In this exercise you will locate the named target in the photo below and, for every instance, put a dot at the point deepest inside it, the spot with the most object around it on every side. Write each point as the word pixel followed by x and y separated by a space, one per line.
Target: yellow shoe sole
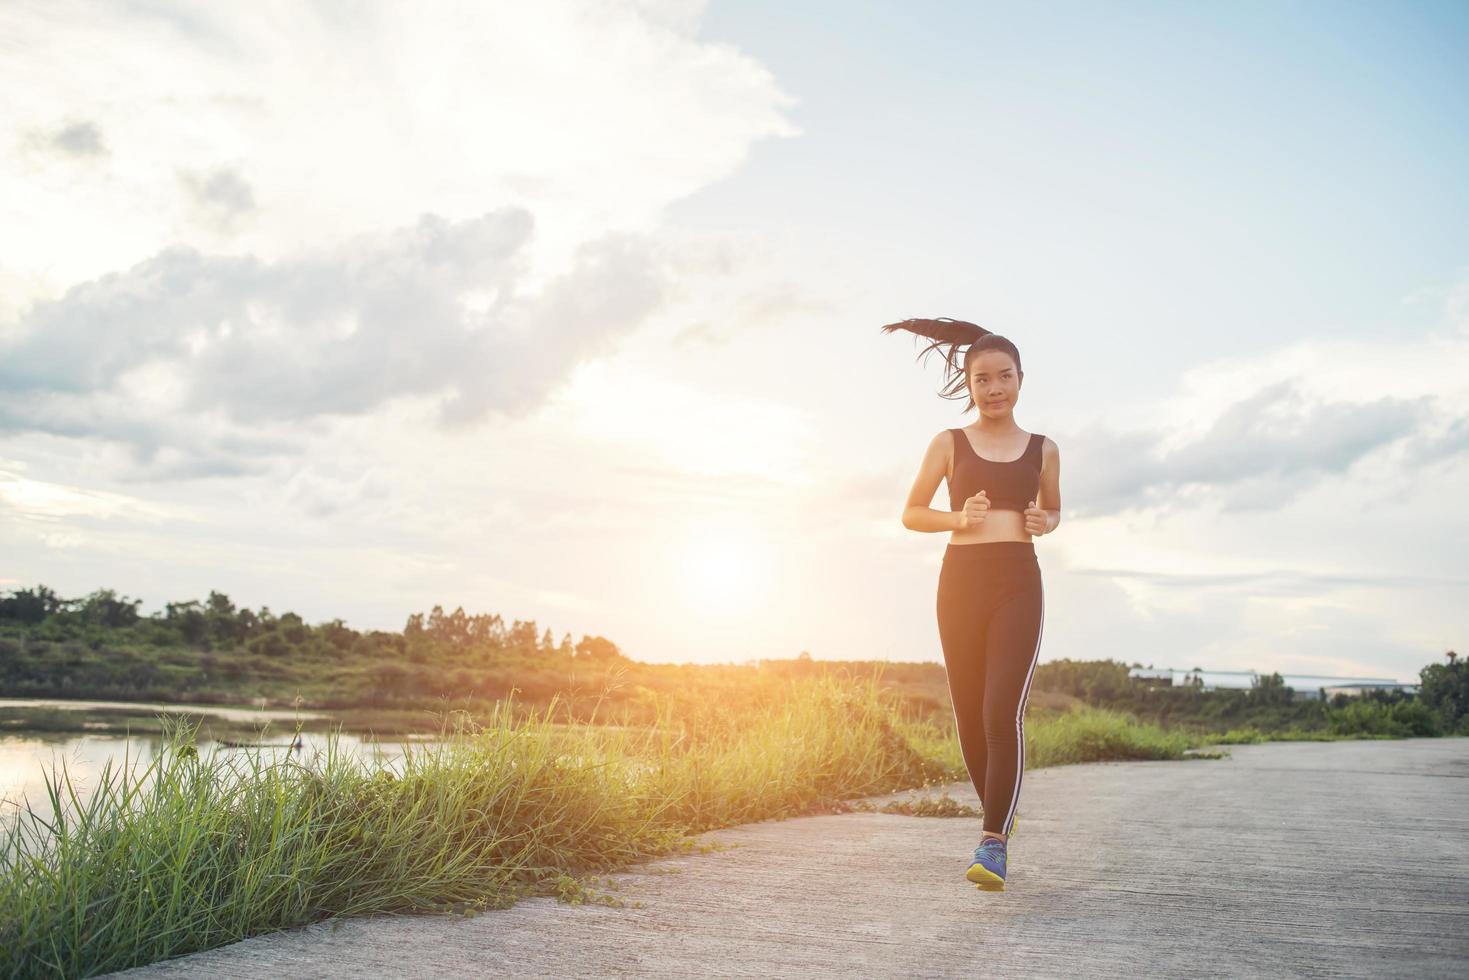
pixel 985 879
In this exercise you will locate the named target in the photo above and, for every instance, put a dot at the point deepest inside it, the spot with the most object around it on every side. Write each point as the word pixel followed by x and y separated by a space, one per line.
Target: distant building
pixel 1304 685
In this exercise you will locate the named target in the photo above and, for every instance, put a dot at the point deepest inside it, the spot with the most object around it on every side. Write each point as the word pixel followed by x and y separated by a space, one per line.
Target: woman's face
pixel 994 383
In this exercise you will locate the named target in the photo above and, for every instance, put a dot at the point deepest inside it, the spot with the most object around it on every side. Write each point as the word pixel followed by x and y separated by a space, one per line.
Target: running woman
pixel 1004 489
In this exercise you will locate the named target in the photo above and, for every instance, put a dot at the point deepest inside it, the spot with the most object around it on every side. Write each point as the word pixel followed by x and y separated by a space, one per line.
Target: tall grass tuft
pixel 1056 738
pixel 1099 734
pixel 197 850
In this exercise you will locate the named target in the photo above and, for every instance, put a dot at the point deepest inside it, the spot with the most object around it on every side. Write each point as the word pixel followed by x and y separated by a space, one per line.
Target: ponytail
pixel 955 333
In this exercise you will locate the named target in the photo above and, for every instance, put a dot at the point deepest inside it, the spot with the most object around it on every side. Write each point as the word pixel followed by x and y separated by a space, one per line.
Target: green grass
pixel 1098 735
pixel 1058 738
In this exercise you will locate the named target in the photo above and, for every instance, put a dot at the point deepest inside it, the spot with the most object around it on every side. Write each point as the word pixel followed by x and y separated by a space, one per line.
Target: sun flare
pixel 724 571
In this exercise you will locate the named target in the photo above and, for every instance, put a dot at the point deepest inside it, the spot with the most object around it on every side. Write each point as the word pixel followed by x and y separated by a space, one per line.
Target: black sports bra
pixel 1008 486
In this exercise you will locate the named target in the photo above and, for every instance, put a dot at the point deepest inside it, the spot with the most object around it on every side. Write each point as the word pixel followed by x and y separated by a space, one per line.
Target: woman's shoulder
pixel 945 442
pixel 947 436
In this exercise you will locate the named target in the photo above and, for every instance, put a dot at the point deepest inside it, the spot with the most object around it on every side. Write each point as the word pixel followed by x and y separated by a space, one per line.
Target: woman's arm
pixel 917 514
pixel 1048 497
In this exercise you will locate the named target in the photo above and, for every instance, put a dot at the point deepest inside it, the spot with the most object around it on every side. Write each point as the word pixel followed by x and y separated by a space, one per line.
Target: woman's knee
pixel 1001 732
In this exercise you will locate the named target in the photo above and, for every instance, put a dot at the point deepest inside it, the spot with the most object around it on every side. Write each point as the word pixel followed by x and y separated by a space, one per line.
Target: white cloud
pixel 339 120
pixel 43 501
pixel 1253 431
pixel 257 240
pixel 184 342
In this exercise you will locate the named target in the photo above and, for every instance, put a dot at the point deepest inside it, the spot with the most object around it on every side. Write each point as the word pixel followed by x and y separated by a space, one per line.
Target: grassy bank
pixel 196 852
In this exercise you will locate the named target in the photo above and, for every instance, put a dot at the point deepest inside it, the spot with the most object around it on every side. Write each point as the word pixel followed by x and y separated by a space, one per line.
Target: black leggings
pixel 991 607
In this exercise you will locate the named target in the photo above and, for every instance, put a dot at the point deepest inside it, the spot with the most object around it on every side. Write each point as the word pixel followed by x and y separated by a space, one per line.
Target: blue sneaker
pixel 987 870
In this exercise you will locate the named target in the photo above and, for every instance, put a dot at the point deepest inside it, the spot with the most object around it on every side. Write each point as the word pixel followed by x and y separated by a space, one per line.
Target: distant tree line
pixel 101 645
pixel 216 622
pixel 1441 705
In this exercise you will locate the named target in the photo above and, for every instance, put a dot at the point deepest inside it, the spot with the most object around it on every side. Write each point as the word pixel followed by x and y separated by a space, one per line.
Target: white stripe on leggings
pixel 1020 717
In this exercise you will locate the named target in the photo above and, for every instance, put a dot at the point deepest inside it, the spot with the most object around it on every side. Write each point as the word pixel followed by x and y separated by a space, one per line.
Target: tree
pixel 1445 688
pixel 452 629
pixel 1270 689
pixel 104 608
pixel 226 624
pixel 248 622
pixel 414 626
pixel 339 634
pixel 597 648
pixel 523 637
pixel 188 619
pixel 30 606
pixel 293 628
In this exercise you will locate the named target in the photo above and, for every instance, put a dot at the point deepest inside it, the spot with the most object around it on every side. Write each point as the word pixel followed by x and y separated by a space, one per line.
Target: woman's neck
pixel 996 428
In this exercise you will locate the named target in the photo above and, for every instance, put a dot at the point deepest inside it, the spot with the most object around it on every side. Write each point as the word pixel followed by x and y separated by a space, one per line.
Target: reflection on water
pixel 225 711
pixel 26 759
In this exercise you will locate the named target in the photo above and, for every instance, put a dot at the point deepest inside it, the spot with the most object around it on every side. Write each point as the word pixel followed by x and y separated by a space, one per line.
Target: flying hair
pixel 956 333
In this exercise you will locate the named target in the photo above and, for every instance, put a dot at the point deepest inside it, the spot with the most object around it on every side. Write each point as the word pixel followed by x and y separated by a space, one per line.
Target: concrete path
pixel 1288 859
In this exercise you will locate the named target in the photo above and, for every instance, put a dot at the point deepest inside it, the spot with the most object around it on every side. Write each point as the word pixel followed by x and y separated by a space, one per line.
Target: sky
pixel 569 311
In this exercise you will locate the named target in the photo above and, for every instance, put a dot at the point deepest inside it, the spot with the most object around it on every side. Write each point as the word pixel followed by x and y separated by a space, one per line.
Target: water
pixel 224 712
pixel 27 757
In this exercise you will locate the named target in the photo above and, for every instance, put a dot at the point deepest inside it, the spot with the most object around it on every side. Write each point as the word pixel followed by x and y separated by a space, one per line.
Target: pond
pixel 34 745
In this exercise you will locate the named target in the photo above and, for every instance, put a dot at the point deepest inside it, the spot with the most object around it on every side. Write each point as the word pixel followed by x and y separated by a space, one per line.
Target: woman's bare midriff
pixel 998 525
